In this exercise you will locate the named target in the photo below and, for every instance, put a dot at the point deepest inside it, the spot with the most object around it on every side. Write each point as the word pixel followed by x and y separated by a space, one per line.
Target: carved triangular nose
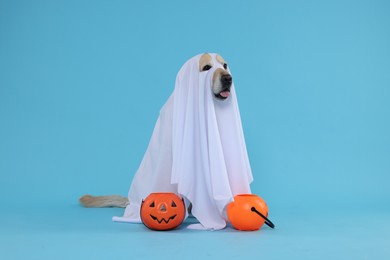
pixel 163 208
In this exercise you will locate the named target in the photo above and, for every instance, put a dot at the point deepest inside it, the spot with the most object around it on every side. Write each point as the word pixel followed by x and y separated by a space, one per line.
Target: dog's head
pixel 221 79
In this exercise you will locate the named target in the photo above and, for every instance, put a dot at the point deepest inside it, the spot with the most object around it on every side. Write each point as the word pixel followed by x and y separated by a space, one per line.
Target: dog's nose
pixel 226 80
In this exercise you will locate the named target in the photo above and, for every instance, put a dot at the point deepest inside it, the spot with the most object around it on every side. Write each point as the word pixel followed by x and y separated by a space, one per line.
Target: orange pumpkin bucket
pixel 248 212
pixel 162 211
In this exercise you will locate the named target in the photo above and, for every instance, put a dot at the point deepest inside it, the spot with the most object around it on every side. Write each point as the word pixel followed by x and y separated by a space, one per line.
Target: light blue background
pixel 81 85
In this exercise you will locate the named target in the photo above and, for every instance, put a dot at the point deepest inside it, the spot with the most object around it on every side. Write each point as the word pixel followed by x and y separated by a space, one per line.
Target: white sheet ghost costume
pixel 197 150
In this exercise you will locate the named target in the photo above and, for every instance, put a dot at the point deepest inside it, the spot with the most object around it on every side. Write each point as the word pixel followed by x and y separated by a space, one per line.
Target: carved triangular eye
pixel 152 205
pixel 173 204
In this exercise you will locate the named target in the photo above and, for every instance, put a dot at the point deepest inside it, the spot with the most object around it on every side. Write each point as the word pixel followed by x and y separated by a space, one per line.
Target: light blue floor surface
pixel 68 231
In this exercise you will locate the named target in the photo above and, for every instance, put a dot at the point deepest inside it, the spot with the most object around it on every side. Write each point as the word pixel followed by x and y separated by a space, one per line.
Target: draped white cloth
pixel 197 150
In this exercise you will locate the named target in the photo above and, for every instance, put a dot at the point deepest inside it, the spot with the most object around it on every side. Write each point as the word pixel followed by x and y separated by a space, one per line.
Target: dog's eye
pixel 225 66
pixel 206 67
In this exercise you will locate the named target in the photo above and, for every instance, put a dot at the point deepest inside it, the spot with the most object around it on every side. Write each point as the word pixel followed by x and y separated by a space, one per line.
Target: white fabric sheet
pixel 197 150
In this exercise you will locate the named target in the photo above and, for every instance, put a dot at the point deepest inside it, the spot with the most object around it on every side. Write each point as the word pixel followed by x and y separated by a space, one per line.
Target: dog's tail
pixel 104 201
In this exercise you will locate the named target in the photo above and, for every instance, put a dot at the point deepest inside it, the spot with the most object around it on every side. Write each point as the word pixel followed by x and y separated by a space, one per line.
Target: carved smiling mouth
pixel 163 219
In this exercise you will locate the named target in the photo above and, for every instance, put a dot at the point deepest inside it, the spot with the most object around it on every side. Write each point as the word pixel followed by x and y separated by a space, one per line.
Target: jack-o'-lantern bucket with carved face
pixel 162 211
pixel 248 212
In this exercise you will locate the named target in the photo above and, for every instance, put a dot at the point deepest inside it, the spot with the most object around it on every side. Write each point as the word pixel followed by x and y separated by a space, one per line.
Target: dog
pixel 221 90
pixel 197 149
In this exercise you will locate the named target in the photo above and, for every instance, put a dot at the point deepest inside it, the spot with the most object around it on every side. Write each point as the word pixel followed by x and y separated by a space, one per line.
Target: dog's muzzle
pixel 226 81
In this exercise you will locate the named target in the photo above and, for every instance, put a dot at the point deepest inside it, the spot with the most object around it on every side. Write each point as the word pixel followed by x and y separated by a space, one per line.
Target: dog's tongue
pixel 225 94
